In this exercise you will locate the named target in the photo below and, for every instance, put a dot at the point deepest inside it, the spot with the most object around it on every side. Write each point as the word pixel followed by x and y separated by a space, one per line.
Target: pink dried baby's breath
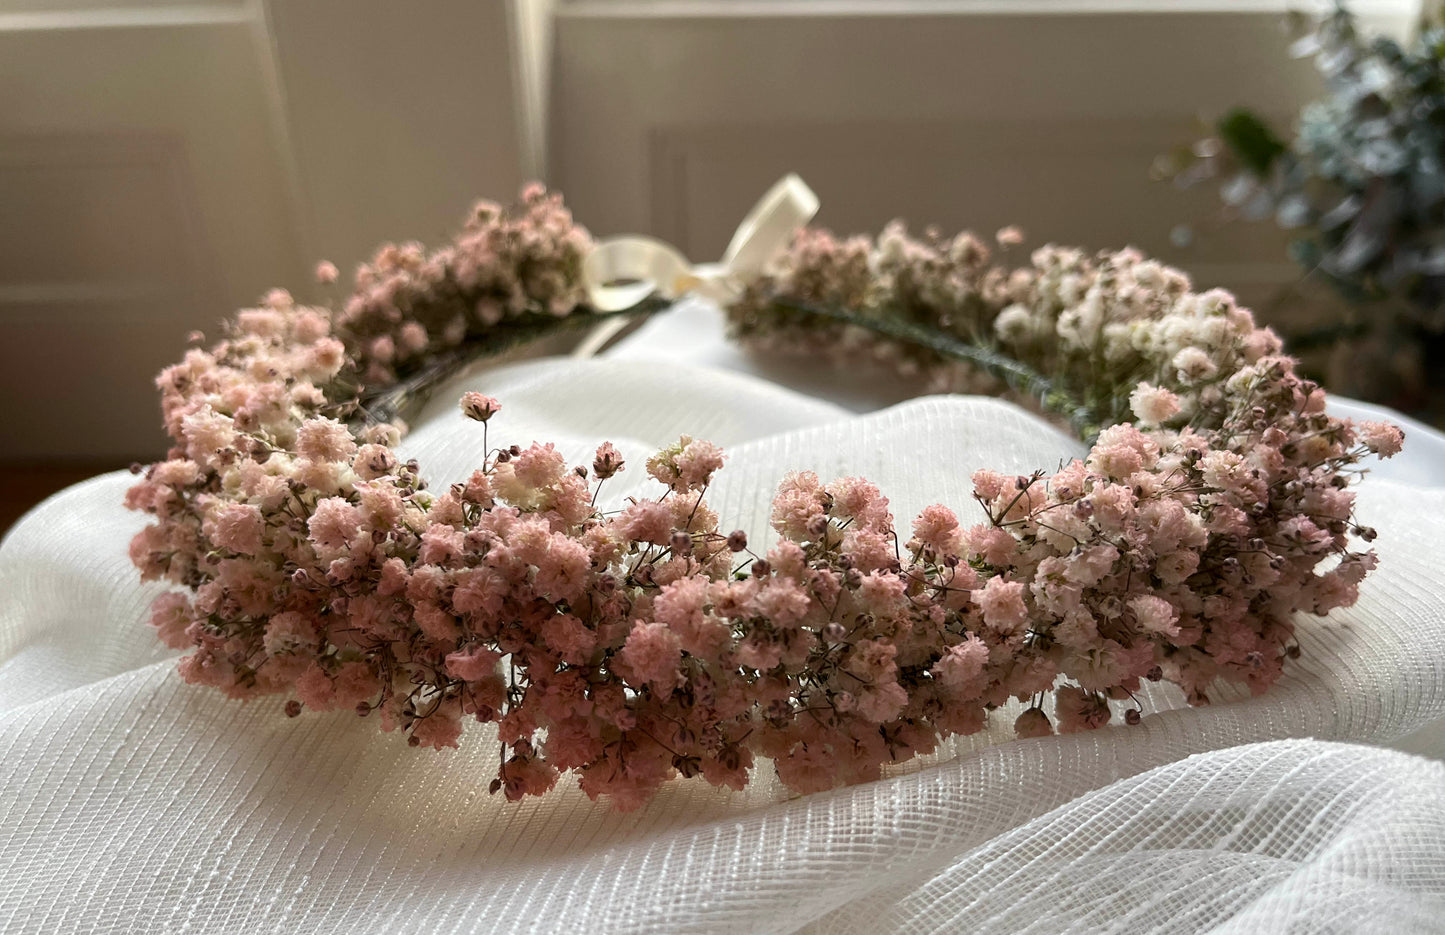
pixel 648 643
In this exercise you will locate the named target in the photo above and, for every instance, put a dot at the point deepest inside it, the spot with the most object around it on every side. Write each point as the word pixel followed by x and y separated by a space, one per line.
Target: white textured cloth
pixel 130 802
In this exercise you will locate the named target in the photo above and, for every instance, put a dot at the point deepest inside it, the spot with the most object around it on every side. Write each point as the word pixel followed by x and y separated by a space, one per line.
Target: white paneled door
pixel 164 163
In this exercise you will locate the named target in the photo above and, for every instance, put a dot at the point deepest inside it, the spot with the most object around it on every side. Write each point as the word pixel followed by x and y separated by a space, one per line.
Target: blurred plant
pixel 1362 186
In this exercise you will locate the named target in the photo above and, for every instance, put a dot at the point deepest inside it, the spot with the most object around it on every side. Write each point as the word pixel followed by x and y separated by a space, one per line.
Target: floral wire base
pixel 634 646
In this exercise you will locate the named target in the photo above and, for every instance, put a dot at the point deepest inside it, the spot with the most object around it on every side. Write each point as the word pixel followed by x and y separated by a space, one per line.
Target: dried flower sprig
pixel 636 646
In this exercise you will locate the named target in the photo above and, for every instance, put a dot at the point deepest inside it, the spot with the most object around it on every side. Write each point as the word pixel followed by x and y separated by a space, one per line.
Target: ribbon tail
pixel 622 271
pixel 769 227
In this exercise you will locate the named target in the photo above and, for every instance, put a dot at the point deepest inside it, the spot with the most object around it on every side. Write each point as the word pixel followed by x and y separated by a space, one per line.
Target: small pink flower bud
pixel 1009 236
pixel 1033 723
pixel 729 758
pixel 608 461
pixel 478 407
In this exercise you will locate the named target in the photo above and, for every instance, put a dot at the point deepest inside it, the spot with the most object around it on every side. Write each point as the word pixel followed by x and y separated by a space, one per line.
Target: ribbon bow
pixel 650 267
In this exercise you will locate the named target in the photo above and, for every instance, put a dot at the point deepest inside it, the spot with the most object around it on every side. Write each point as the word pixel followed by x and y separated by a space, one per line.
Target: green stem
pixel 392 401
pixel 1015 374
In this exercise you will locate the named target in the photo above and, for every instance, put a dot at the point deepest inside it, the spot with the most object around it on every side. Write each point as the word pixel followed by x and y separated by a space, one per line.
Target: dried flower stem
pixel 1015 374
pixel 390 402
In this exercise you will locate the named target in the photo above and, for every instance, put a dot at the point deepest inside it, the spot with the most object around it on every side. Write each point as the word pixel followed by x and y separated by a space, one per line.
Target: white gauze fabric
pixel 131 802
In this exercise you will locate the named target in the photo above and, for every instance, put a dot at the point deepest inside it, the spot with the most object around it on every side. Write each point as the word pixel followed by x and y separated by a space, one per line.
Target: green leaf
pixel 1251 140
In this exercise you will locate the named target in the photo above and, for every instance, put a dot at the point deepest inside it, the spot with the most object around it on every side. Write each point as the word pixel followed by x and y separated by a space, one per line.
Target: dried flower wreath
pixel 636 645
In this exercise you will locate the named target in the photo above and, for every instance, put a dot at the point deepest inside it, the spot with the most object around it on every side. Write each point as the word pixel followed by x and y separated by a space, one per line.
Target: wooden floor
pixel 24 485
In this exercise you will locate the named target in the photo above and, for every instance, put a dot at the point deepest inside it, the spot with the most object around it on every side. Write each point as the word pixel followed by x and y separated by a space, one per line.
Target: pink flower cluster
pixel 648 643
pixel 507 264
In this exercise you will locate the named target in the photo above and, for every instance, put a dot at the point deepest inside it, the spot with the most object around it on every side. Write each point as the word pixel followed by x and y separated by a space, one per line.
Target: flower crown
pixel 635 645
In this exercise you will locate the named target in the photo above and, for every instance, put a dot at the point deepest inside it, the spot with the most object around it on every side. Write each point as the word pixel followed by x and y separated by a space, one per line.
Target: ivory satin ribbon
pixel 622 271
